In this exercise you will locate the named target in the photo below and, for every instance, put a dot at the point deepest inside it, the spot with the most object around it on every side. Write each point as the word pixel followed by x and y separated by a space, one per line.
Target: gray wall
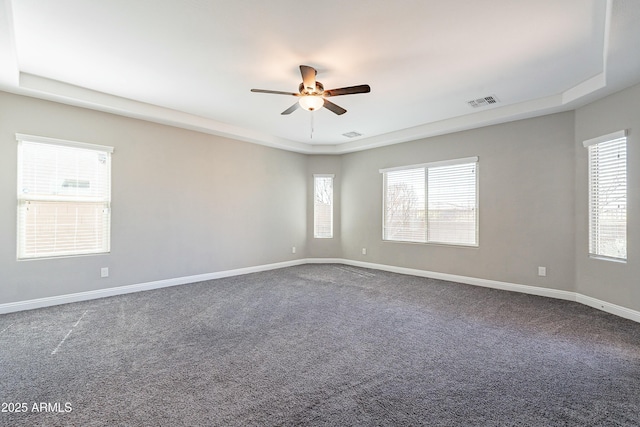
pixel 526 203
pixel 184 203
pixel 618 283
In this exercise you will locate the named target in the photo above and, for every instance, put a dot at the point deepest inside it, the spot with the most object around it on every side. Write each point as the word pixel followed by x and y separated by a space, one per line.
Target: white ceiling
pixel 192 63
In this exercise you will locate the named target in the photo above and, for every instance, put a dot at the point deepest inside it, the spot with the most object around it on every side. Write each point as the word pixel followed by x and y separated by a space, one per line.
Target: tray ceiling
pixel 192 63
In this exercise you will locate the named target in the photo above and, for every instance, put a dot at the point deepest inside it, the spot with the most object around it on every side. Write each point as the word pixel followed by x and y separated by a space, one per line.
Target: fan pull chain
pixel 311 136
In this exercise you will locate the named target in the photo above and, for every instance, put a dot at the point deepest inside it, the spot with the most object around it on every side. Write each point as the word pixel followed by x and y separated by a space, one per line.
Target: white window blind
pixel 323 206
pixel 608 196
pixel 64 198
pixel 432 203
pixel 404 205
pixel 452 204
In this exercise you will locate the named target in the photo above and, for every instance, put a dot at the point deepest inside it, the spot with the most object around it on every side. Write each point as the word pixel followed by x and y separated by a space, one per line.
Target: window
pixel 608 196
pixel 64 198
pixel 432 203
pixel 323 206
pixel 404 210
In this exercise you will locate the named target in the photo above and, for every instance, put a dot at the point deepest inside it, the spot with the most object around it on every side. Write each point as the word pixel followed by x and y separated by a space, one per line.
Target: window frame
pixel 23 199
pixel 426 166
pixel 316 233
pixel 593 235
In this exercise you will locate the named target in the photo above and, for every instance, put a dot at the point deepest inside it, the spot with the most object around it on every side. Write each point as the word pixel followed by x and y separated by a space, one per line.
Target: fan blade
pixel 276 92
pixel 291 109
pixel 333 107
pixel 308 77
pixel 348 90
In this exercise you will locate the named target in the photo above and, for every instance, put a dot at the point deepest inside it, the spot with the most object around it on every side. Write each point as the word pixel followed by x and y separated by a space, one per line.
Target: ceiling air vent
pixel 351 134
pixel 484 102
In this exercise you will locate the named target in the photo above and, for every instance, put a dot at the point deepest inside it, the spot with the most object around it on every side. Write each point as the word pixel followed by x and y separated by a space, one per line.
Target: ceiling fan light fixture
pixel 312 96
pixel 311 102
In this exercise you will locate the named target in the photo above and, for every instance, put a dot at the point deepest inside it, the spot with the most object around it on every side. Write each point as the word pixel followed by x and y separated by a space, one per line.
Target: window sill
pixel 447 245
pixel 604 258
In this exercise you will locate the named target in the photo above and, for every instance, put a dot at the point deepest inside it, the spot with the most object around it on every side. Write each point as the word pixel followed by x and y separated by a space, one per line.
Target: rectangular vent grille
pixel 484 102
pixel 352 134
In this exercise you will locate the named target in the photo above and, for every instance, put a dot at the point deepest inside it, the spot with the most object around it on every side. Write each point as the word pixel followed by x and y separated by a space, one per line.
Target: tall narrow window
pixel 64 198
pixel 608 196
pixel 323 206
pixel 432 203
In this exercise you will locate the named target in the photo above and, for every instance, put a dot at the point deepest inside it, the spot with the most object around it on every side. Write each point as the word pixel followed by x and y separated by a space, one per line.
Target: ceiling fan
pixel 312 95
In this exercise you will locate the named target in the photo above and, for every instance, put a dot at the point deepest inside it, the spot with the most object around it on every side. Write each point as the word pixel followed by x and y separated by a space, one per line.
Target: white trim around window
pixel 63 142
pixel 434 164
pixel 323 206
pixel 435 202
pixel 607 169
pixel 604 138
pixel 63 198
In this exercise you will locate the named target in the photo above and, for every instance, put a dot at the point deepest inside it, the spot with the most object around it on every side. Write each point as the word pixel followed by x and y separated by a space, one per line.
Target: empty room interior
pixel 320 213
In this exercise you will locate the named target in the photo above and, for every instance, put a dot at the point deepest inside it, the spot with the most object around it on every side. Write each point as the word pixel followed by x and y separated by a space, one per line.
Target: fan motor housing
pixel 303 90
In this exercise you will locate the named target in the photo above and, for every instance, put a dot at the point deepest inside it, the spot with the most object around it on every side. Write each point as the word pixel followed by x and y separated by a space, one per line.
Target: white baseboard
pixel 120 290
pixel 534 290
pixel 617 310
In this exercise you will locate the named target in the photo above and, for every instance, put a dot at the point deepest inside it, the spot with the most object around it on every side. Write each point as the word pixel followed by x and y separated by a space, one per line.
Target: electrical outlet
pixel 364 251
pixel 104 272
pixel 293 249
pixel 542 271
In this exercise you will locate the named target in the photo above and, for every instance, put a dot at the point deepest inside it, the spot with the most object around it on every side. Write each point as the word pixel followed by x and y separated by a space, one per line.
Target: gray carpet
pixel 320 345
